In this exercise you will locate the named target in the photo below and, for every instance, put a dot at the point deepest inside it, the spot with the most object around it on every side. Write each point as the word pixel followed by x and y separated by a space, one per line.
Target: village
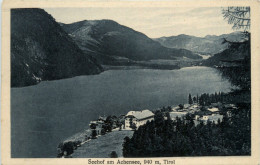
pixel 134 119
pixel 131 121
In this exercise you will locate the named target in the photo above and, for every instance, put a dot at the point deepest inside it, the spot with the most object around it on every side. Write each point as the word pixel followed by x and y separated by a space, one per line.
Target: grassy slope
pixel 103 145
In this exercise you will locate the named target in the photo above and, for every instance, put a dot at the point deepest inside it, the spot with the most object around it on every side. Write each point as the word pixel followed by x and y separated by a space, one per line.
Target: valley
pixel 64 75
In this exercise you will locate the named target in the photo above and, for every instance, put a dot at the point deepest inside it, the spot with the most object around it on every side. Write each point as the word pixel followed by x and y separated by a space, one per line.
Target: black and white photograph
pixel 130 82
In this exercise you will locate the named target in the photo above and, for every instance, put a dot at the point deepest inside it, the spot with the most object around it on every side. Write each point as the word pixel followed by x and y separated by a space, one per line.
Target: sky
pixel 154 22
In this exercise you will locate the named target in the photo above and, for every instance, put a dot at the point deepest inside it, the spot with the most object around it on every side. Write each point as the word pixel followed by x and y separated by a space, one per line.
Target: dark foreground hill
pixel 42 50
pixel 110 41
pixel 235 64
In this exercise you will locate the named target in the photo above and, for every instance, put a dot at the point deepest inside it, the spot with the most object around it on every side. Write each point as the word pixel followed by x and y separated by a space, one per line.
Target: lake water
pixel 45 114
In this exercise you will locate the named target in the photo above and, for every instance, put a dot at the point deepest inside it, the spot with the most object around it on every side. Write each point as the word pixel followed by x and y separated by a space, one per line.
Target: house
pixel 212 118
pixel 185 106
pixel 174 115
pixel 205 118
pixel 230 106
pixel 102 118
pixel 96 125
pixel 194 106
pixel 138 118
pixel 176 108
pixel 214 109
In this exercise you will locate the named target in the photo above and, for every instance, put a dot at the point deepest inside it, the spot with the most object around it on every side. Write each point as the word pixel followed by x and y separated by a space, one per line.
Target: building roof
pixel 140 114
pixel 175 108
pixel 230 106
pixel 177 114
pixel 213 109
pixel 186 105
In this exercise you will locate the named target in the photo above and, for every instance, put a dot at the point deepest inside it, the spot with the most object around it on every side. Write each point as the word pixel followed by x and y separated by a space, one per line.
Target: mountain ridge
pixel 42 50
pixel 108 38
pixel 210 44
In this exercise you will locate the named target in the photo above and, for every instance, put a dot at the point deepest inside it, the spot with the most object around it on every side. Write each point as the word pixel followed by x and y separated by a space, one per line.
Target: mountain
pixel 110 41
pixel 210 44
pixel 42 50
pixel 235 55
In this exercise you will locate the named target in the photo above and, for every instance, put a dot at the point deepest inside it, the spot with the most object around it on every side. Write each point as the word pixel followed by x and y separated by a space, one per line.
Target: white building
pixel 174 115
pixel 214 109
pixel 138 118
pixel 212 118
pixel 176 108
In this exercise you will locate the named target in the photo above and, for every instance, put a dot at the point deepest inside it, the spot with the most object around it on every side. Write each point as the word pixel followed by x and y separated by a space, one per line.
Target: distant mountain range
pixel 109 41
pixel 210 44
pixel 42 50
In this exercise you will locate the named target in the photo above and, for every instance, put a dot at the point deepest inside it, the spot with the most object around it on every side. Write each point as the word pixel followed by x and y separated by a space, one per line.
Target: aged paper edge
pixel 254 159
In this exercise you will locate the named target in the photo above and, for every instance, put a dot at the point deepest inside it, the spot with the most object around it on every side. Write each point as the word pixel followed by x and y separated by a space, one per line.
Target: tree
pixel 169 109
pixel 113 154
pixel 168 116
pixel 109 121
pixel 181 106
pixel 158 118
pixel 183 138
pixel 126 147
pixel 94 134
pixel 103 131
pixel 68 148
pixel 132 124
pixel 194 99
pixel 190 99
pixel 93 126
pixel 238 16
pixel 86 137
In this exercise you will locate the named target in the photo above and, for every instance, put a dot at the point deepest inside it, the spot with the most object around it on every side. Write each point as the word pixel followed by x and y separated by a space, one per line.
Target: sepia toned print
pixel 132 82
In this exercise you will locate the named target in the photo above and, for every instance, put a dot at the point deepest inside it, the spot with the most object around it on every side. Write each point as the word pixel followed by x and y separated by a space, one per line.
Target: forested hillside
pixel 109 41
pixel 167 138
pixel 42 50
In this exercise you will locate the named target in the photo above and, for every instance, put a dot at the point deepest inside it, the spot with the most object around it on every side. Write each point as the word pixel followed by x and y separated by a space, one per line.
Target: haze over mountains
pixel 210 44
pixel 107 38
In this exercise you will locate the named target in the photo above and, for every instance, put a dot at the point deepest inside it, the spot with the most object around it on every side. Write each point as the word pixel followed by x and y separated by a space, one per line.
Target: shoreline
pixel 201 113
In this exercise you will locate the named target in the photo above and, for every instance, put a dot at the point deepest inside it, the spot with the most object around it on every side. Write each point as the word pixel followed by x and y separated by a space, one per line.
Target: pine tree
pixel 190 99
pixel 238 16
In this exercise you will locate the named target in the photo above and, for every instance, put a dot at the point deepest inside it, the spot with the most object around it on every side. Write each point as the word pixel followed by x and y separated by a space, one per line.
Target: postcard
pixel 130 82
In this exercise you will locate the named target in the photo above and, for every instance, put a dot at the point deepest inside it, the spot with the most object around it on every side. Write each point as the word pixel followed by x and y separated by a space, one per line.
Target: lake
pixel 45 114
